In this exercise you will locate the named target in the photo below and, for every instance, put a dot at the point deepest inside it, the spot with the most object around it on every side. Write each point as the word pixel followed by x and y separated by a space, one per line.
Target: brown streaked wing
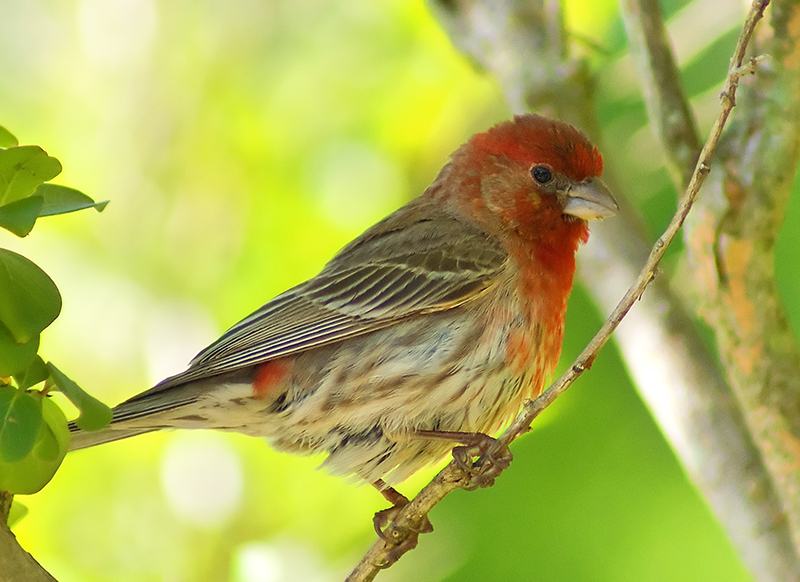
pixel 392 272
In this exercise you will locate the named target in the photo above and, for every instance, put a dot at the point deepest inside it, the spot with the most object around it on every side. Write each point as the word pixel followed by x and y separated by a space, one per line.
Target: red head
pixel 532 178
pixel 532 183
pixel 531 139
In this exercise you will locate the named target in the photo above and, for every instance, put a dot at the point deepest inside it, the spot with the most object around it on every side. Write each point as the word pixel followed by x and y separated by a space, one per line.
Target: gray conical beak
pixel 590 199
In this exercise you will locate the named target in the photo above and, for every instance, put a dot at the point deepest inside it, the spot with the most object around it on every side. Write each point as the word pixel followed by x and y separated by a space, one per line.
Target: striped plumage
pixel 442 317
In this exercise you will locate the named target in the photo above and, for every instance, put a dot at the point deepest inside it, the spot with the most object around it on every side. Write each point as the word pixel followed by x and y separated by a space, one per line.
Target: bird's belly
pixel 364 400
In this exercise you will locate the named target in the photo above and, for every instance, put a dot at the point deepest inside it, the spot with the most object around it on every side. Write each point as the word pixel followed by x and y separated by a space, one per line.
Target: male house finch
pixel 428 330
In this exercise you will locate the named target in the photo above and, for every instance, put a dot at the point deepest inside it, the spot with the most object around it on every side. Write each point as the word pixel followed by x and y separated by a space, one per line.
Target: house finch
pixel 428 330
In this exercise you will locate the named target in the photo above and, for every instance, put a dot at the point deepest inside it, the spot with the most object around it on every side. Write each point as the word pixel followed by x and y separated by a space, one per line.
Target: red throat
pixel 548 270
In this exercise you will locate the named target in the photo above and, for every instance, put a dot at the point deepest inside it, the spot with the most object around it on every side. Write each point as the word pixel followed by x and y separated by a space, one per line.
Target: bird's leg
pixel 385 516
pixel 493 456
pixel 398 501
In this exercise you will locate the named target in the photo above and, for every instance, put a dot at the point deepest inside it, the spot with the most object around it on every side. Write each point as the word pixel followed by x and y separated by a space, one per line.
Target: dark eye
pixel 541 174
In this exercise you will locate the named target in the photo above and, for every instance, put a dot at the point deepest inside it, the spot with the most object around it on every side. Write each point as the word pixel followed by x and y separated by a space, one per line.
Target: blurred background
pixel 241 143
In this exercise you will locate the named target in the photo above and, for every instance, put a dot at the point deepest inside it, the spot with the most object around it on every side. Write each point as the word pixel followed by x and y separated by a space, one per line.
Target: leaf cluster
pixel 34 436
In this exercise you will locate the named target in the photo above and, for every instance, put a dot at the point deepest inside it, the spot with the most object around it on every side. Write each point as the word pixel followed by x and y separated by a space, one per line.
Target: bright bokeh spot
pixel 117 33
pixel 201 475
pixel 279 562
pixel 259 563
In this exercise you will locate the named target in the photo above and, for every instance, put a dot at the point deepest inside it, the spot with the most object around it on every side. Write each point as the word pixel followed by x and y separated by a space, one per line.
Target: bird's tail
pixel 152 410
pixel 81 439
pixel 137 415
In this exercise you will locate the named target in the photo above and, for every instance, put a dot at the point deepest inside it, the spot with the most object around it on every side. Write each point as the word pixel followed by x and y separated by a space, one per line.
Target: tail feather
pixel 147 411
pixel 81 439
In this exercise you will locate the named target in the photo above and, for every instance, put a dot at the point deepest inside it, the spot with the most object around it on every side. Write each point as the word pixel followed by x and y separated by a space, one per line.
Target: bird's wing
pixel 417 261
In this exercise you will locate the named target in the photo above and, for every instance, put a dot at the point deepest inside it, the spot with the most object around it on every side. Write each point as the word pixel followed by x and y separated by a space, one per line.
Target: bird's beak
pixel 590 199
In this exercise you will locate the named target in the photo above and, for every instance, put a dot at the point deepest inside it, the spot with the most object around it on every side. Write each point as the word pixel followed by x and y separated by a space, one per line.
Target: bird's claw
pixel 493 458
pixel 402 538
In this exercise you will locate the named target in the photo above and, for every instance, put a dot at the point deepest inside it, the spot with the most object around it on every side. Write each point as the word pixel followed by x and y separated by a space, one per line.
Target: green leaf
pixel 29 300
pixel 14 357
pixel 56 423
pixel 62 199
pixel 30 474
pixel 20 216
pixel 34 374
pixel 48 200
pixel 20 418
pixel 94 414
pixel 22 169
pixel 16 513
pixel 7 138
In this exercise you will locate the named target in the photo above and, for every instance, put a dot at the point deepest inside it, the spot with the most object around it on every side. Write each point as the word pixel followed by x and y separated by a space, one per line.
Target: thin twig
pixel 452 477
pixel 736 71
pixel 731 258
pixel 702 418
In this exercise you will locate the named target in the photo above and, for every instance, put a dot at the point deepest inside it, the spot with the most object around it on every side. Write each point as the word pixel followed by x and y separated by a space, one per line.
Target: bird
pixel 426 332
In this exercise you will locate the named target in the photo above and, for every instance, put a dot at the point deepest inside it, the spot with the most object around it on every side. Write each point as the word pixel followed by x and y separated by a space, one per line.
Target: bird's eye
pixel 542 174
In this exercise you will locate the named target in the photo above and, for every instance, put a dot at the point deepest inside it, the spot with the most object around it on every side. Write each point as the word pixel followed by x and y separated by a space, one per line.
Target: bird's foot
pixel 402 538
pixel 493 457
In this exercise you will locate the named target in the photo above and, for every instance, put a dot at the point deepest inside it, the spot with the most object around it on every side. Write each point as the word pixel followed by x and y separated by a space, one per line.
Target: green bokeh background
pixel 241 143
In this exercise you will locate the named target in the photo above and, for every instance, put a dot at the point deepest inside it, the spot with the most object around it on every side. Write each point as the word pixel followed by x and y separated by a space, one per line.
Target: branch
pixel 15 563
pixel 667 105
pixel 731 256
pixel 450 478
pixel 731 240
pixel 696 410
pixel 532 408
pixel 774 557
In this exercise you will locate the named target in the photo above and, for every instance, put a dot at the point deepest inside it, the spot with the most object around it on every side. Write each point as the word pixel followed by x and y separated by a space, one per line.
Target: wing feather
pixel 419 261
